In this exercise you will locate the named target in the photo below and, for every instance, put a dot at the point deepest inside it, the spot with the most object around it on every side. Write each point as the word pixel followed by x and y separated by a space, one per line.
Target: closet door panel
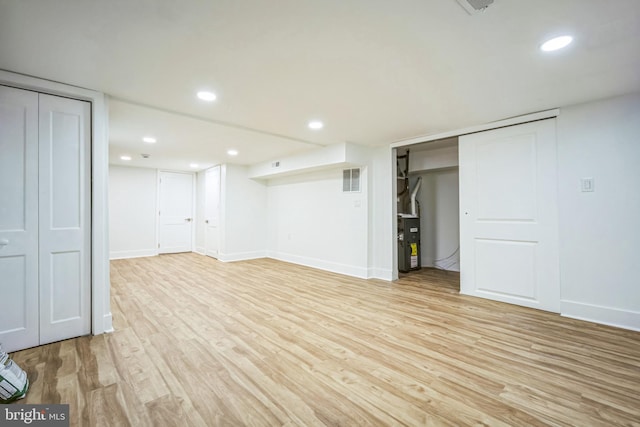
pixel 64 149
pixel 18 218
pixel 65 229
pixel 509 215
pixel 66 292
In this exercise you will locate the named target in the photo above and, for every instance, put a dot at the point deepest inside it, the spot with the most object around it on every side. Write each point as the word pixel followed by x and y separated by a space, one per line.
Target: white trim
pixel 394 214
pixel 100 284
pixel 240 256
pixel 381 274
pixel 626 319
pixel 138 253
pixel 349 270
pixel 108 320
pixel 547 114
pixel 200 250
pixel 157 212
pixel 194 210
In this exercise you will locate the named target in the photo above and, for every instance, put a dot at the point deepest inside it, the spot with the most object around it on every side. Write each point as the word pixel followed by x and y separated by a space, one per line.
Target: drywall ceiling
pixel 183 140
pixel 374 71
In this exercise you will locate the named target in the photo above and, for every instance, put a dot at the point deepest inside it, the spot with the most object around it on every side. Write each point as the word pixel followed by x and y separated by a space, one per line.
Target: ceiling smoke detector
pixel 474 6
pixel 145 156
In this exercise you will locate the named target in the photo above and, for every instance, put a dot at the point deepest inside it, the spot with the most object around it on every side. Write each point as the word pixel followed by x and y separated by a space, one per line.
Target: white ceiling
pixel 375 71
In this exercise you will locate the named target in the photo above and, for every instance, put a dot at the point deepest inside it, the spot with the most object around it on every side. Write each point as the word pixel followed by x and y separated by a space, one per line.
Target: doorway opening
pixel 428 210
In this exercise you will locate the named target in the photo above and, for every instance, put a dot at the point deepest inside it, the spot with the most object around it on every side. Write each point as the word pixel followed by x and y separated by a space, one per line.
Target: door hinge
pixel 158 245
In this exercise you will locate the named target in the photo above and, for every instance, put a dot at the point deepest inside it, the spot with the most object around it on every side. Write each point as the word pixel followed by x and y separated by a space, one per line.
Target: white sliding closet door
pixel 509 215
pixel 65 229
pixel 19 312
pixel 45 230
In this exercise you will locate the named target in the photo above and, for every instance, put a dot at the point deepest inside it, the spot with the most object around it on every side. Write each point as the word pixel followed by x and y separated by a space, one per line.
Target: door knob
pixel 206 221
pixel 4 242
pixel 188 219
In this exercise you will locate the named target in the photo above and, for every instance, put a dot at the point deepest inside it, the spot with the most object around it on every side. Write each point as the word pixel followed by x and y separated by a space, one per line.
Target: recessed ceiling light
pixel 316 124
pixel 193 165
pixel 556 43
pixel 125 158
pixel 149 140
pixel 232 152
pixel 207 96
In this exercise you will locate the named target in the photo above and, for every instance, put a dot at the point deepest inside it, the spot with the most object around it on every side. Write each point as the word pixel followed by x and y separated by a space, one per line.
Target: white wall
pixel 382 223
pixel 200 212
pixel 312 222
pixel 600 231
pixel 439 218
pixel 305 217
pixel 132 212
pixel 444 156
pixel 243 219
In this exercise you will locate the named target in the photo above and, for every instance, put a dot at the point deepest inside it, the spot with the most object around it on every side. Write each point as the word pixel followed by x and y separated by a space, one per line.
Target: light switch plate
pixel 586 185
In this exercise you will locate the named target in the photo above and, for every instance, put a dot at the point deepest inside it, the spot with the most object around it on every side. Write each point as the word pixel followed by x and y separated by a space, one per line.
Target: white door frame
pixel 547 114
pixel 101 320
pixel 207 197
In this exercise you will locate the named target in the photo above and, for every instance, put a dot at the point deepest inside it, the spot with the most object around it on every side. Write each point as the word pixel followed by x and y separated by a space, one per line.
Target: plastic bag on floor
pixel 13 380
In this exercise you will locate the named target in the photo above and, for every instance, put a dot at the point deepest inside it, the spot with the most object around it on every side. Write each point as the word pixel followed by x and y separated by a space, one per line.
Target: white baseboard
pixel 625 319
pixel 380 273
pixel 200 250
pixel 334 267
pixel 108 323
pixel 241 256
pixel 133 254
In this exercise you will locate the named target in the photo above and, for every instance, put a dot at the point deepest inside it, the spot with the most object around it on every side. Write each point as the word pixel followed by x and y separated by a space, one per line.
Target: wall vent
pixel 474 6
pixel 351 180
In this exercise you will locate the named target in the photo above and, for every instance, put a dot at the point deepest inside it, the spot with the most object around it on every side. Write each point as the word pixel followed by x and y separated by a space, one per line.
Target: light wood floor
pixel 265 343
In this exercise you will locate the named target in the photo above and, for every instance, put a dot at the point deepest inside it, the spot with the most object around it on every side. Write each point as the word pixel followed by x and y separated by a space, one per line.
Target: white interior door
pixel 508 215
pixel 212 211
pixel 45 230
pixel 176 212
pixel 64 217
pixel 19 311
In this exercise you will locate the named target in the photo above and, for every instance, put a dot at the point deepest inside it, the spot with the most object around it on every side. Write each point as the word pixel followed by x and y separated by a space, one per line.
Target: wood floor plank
pixel 199 342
